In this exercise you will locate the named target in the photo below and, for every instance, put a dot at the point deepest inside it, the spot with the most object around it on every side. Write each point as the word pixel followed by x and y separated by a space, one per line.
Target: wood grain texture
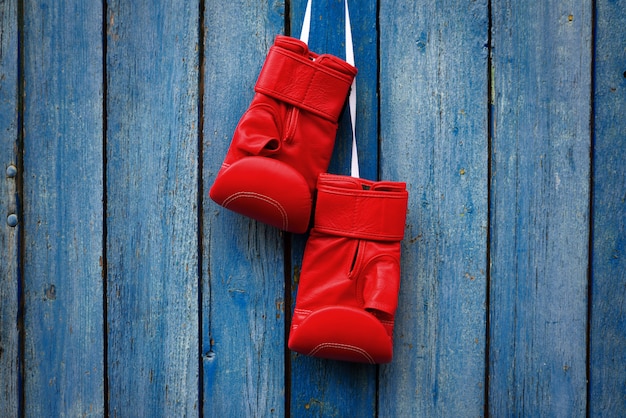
pixel 189 314
pixel 434 137
pixel 243 305
pixel 540 208
pixel 152 207
pixel 9 335
pixel 63 215
pixel 608 319
pixel 321 387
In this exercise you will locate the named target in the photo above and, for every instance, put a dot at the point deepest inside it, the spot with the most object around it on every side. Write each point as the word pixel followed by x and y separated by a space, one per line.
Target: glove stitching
pixel 346 347
pixel 354 269
pixel 299 104
pixel 292 123
pixel 263 198
pixel 302 311
pixel 360 234
pixel 386 195
pixel 321 68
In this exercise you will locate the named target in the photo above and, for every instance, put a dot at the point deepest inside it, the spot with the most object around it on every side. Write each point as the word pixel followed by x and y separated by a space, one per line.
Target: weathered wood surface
pixel 9 235
pixel 539 208
pixel 434 137
pixel 152 67
pixel 125 291
pixel 607 390
pixel 62 209
pixel 243 293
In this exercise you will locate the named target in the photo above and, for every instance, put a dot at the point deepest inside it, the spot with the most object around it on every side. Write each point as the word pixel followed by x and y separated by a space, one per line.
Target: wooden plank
pixel 243 299
pixel 434 137
pixel 152 207
pixel 608 322
pixel 540 208
pixel 322 387
pixel 9 297
pixel 63 214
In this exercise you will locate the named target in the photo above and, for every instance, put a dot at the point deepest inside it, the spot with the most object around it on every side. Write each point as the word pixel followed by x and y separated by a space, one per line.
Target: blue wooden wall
pixel 125 291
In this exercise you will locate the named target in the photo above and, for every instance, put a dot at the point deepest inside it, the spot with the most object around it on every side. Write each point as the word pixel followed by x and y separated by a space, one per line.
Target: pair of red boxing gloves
pixel 275 169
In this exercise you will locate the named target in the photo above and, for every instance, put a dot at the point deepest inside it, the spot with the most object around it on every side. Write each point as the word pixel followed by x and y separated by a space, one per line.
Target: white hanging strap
pixel 354 161
pixel 306 24
pixel 304 37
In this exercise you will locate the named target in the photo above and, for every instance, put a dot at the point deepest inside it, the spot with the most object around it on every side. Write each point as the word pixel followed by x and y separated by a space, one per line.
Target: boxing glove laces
pixel 286 137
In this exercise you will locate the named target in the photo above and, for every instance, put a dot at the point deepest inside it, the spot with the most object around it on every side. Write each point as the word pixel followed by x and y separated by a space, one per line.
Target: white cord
pixel 304 37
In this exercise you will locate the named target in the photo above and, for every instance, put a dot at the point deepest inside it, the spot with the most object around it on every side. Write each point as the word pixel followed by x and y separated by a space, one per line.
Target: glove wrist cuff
pixel 317 83
pixel 358 208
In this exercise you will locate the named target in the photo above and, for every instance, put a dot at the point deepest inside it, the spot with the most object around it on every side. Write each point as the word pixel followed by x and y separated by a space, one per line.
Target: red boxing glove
pixel 286 137
pixel 348 291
